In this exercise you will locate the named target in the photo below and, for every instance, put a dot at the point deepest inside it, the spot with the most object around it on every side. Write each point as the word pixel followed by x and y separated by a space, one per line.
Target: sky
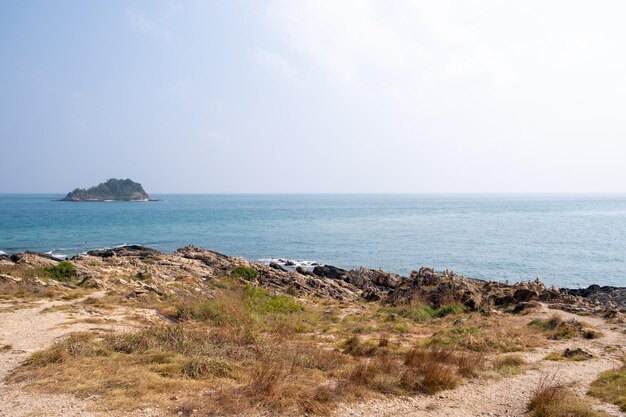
pixel 467 96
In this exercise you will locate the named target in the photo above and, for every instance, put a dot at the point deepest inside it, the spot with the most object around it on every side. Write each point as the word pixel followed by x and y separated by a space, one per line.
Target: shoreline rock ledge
pixel 111 190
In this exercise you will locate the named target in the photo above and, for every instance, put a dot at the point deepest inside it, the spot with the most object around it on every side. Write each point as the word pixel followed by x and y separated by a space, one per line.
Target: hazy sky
pixel 314 96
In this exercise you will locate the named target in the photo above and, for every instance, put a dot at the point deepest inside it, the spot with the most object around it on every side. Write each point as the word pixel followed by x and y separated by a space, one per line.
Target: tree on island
pixel 111 190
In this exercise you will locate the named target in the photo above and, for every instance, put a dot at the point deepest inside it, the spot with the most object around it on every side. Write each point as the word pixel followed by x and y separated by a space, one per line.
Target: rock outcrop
pixel 612 299
pixel 140 271
pixel 111 190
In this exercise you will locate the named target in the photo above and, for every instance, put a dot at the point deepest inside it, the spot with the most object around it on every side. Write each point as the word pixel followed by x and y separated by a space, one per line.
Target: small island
pixel 111 190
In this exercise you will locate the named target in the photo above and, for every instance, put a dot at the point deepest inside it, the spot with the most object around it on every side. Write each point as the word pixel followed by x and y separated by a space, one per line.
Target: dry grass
pixel 356 347
pixel 508 364
pixel 551 399
pixel 487 335
pixel 259 360
pixel 250 350
pixel 556 328
pixel 430 370
pixel 26 289
pixel 611 387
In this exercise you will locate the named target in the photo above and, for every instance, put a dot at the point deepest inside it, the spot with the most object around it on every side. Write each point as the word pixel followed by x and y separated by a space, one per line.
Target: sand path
pixel 508 396
pixel 26 331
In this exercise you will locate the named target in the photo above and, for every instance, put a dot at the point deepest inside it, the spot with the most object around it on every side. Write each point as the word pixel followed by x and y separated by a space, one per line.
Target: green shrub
pixel 261 301
pixel 450 309
pixel 63 271
pixel 422 313
pixel 244 272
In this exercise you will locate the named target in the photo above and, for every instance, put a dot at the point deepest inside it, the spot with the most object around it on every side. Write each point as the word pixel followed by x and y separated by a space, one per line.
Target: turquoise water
pixel 566 240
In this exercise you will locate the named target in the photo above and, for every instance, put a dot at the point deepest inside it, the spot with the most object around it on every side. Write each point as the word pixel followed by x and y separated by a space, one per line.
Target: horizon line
pixel 355 193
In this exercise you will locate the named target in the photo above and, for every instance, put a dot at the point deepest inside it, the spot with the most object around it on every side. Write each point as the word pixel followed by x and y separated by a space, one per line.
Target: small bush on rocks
pixel 63 271
pixel 244 272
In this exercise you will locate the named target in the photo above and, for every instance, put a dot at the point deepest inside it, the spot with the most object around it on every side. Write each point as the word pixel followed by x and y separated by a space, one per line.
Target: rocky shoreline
pixel 424 285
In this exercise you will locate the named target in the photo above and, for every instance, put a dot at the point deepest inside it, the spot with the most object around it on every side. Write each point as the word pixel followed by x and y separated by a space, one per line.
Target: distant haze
pixel 314 96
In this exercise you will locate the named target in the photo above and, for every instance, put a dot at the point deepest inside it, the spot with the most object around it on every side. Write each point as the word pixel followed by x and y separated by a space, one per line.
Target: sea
pixel 565 240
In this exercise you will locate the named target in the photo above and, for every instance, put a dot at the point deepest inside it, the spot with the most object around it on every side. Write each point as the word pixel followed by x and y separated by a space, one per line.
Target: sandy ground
pixel 30 329
pixel 508 396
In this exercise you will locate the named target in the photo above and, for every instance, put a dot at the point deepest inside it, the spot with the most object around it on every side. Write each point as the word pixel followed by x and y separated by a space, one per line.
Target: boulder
pixel 128 250
pixel 525 294
pixel 362 276
pixel 278 267
pixel 577 353
pixel 329 271
pixel 304 271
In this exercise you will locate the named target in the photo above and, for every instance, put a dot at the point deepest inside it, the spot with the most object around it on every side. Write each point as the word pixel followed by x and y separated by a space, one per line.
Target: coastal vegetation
pixel 63 271
pixel 611 386
pixel 551 399
pixel 244 272
pixel 255 349
pixel 200 333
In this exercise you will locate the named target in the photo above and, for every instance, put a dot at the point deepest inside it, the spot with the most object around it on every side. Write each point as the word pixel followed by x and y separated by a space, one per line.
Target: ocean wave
pixel 3 252
pixel 290 264
pixel 57 255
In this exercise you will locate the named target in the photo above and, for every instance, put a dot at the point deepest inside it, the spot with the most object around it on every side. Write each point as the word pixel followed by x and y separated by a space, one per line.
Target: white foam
pixel 290 264
pixel 56 255
pixel 3 252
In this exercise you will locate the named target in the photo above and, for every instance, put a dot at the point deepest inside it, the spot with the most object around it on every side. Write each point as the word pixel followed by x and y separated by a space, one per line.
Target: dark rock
pixel 614 298
pixel 329 271
pixel 504 299
pixel 525 294
pixel 278 267
pixel 526 305
pixel 577 353
pixel 129 250
pixel 304 271
pixel 549 294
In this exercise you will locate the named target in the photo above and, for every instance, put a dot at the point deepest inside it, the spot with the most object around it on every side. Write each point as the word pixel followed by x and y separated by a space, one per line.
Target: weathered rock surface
pixel 329 271
pixel 128 250
pixel 436 289
pixel 140 271
pixel 611 298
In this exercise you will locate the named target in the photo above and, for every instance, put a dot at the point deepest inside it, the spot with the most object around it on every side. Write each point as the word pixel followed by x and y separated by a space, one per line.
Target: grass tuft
pixel 611 387
pixel 558 329
pixel 551 399
pixel 508 364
